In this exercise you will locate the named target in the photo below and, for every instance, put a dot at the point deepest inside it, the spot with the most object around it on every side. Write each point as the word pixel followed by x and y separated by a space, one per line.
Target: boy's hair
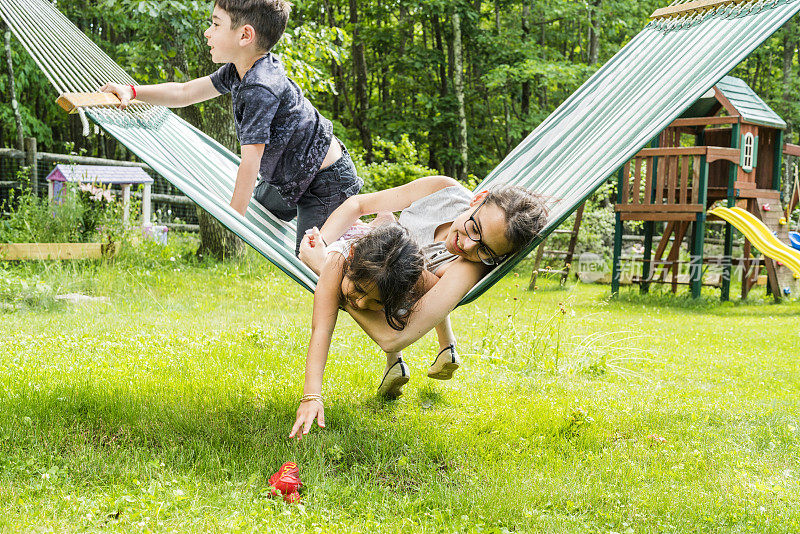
pixel 526 214
pixel 267 17
pixel 389 258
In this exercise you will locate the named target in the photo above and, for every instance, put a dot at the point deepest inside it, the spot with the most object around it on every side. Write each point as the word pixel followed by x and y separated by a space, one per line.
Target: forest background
pixel 413 87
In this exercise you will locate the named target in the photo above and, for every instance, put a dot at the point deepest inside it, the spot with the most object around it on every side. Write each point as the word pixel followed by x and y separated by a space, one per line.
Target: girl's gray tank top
pixel 425 215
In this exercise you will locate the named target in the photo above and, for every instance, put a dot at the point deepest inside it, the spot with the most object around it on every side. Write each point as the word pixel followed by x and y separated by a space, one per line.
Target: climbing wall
pixel 770 212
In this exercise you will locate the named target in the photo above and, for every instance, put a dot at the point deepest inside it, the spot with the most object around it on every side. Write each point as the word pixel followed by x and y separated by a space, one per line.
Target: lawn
pixel 166 408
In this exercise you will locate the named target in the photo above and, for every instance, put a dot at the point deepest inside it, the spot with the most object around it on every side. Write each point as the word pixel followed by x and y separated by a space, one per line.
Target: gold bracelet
pixel 311 397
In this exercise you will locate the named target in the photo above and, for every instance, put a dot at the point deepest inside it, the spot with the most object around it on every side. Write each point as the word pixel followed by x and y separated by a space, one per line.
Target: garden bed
pixel 57 251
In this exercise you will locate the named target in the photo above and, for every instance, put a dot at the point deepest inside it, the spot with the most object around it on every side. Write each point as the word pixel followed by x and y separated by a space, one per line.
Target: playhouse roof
pixel 747 103
pixel 100 174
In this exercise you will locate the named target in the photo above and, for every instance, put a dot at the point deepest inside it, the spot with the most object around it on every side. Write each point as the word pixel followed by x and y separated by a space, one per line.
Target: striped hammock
pixel 678 56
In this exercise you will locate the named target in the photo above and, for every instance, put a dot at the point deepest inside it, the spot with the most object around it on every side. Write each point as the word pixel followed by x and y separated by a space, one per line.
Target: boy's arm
pixel 171 95
pixel 395 199
pixel 429 311
pixel 323 321
pixel 246 177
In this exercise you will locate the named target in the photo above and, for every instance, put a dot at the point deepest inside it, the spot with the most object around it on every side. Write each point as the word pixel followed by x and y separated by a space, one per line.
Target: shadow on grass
pixel 108 436
pixel 706 303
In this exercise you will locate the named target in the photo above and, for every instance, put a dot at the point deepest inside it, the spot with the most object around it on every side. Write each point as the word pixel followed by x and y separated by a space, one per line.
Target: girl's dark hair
pixel 389 258
pixel 526 213
pixel 267 17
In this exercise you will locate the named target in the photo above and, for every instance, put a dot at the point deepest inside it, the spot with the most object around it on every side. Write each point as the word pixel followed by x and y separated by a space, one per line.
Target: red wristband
pixel 133 89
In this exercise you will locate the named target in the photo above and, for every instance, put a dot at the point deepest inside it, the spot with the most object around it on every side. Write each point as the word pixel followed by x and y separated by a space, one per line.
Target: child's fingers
pixel 307 425
pixel 296 426
pixel 321 418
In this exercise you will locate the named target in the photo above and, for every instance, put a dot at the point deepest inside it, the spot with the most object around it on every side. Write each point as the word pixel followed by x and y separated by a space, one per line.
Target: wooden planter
pixel 57 251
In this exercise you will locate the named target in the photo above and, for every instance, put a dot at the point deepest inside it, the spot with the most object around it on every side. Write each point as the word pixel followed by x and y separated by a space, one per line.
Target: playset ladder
pixel 767 209
pixel 567 254
pixel 679 228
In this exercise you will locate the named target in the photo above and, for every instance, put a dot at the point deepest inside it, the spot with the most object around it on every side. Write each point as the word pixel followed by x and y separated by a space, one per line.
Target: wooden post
pixel 31 163
pixel 776 163
pixel 649 229
pixel 647 265
pixel 698 234
pixel 573 240
pixel 146 205
pixel 616 266
pixel 536 264
pixel 725 293
pixel 746 285
pixel 126 203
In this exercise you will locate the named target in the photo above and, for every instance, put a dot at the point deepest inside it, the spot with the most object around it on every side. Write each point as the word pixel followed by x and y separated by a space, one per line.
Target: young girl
pixel 462 237
pixel 378 272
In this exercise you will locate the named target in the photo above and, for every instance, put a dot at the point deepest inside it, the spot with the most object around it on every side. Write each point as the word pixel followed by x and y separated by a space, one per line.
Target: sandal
pixel 446 363
pixel 393 381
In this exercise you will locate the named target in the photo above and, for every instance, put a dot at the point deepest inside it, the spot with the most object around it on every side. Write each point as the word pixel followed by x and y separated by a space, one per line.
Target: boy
pixel 305 171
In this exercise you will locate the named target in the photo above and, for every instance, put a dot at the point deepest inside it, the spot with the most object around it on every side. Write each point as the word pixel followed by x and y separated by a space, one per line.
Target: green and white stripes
pixel 634 96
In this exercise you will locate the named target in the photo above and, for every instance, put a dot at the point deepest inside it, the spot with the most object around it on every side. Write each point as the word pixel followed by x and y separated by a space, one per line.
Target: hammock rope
pixel 664 69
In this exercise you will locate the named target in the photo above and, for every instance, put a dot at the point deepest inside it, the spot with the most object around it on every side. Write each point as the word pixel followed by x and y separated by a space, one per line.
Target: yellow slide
pixel 761 236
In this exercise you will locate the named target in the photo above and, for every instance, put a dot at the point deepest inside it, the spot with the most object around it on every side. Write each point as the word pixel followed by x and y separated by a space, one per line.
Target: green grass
pixel 167 408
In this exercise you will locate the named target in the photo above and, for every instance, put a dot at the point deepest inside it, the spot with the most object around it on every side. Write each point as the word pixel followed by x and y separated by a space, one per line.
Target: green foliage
pixel 396 164
pixel 307 52
pixel 80 216
pixel 179 252
pixel 521 59
pixel 23 292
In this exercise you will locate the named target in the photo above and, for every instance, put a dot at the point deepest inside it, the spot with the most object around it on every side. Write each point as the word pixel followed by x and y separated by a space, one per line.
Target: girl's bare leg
pixel 391 359
pixel 444 332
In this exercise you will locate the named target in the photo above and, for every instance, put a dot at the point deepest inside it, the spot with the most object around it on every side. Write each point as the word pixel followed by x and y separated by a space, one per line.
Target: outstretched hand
pixel 123 92
pixel 306 413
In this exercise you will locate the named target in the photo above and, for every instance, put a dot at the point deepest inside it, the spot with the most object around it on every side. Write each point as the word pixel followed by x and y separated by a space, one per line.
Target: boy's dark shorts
pixel 329 189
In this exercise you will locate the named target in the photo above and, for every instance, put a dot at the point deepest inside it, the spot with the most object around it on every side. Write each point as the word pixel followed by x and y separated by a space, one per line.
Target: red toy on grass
pixel 286 482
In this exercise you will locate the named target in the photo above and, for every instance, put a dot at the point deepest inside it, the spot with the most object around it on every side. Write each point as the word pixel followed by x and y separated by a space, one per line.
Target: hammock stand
pixel 684 51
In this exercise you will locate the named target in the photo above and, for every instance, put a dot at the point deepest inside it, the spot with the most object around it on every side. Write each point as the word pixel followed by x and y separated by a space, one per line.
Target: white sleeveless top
pixel 426 214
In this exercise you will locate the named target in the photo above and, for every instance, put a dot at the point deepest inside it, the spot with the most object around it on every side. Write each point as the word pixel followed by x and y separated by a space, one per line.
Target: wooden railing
pixel 668 184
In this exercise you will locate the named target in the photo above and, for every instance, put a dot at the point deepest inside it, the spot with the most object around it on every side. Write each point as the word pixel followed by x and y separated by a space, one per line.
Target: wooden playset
pixel 736 158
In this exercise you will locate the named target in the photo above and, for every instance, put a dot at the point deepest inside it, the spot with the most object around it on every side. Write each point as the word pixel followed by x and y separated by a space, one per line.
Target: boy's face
pixel 223 40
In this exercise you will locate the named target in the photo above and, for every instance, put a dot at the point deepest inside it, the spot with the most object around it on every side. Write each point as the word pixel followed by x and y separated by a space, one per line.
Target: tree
pixel 458 84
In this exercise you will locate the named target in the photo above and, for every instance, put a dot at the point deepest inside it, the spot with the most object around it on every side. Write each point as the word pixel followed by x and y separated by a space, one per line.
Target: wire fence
pixel 170 206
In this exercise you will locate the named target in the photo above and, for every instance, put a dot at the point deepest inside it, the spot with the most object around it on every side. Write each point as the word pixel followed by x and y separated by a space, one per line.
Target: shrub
pixel 395 164
pixel 18 292
pixel 85 213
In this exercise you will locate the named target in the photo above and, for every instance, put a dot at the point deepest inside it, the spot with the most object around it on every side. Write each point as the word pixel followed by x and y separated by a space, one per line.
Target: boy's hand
pixel 123 92
pixel 306 413
pixel 313 250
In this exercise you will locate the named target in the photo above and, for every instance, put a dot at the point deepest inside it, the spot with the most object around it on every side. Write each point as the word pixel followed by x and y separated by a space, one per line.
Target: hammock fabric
pixel 644 87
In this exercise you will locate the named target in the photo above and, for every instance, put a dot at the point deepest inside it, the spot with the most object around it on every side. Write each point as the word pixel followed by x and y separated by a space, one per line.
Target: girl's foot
pixel 446 363
pixel 395 377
